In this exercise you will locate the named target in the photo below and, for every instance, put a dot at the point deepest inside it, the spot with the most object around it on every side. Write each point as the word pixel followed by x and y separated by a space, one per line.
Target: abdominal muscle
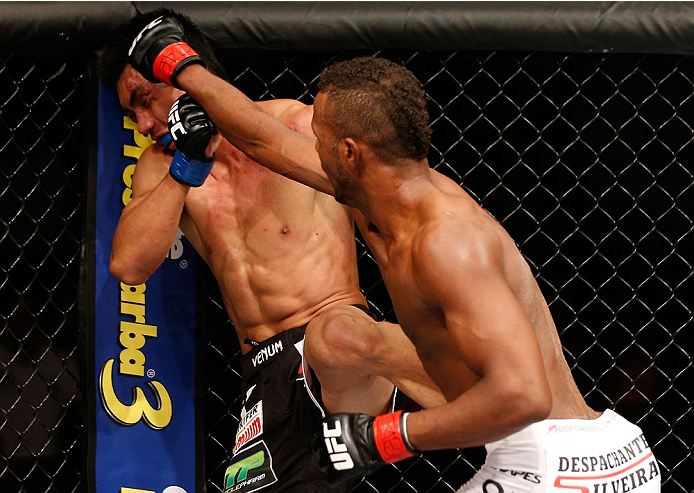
pixel 281 252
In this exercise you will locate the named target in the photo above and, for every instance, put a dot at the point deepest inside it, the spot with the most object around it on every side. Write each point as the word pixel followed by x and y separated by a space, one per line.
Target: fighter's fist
pixel 159 52
pixel 191 130
pixel 190 127
pixel 353 445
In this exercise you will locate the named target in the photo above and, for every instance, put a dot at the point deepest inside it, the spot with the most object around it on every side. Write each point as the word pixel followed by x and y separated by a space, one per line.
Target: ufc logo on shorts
pixel 175 121
pixel 338 451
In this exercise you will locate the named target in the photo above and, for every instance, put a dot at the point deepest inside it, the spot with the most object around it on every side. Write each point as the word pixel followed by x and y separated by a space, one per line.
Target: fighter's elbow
pixel 125 272
pixel 539 406
pixel 528 403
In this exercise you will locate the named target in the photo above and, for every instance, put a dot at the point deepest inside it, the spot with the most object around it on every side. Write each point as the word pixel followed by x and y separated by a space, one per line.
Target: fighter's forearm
pixel 258 134
pixel 145 232
pixel 479 416
pixel 354 445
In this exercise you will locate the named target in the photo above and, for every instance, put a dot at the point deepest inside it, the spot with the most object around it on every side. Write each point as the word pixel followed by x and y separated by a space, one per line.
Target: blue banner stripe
pixel 144 351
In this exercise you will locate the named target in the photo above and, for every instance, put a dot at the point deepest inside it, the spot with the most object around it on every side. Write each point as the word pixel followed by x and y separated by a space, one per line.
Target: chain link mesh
pixel 41 232
pixel 584 158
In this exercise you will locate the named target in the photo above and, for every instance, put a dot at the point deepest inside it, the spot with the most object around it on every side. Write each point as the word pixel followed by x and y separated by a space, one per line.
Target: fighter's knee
pixel 341 336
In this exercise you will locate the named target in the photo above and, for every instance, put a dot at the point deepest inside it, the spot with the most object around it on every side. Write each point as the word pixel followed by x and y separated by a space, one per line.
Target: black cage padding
pixel 61 28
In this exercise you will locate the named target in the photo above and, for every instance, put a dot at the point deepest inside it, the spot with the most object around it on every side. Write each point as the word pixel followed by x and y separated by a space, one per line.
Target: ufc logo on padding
pixel 338 451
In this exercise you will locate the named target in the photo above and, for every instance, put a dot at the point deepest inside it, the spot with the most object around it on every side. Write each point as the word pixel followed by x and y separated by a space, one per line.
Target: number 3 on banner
pixel 128 415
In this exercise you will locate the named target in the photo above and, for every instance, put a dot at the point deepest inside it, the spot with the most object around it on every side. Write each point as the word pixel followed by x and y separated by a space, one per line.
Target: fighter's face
pixel 327 148
pixel 147 104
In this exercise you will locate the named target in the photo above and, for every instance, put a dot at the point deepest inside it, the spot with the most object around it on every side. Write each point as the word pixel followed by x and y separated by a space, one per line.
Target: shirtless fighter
pixel 284 256
pixel 461 290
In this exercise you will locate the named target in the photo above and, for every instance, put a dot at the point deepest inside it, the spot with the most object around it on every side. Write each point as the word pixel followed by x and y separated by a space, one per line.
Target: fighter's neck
pixel 234 160
pixel 397 207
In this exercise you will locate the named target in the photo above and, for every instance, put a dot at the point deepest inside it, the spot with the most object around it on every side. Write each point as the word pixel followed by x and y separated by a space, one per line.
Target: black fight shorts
pixel 272 452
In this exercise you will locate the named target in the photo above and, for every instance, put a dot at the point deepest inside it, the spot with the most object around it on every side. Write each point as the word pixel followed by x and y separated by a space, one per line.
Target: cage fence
pixel 584 158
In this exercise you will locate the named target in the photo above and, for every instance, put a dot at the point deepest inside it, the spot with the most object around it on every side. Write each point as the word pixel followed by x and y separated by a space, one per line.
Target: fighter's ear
pixel 351 155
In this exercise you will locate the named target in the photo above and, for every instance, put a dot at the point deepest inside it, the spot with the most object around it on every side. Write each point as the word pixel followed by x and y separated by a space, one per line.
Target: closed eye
pixel 130 114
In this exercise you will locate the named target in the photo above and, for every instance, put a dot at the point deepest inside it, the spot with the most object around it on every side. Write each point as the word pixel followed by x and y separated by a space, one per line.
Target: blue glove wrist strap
pixel 189 171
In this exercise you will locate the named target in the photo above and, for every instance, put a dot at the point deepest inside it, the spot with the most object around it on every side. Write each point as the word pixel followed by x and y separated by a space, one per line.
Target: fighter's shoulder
pixel 455 239
pixel 152 165
pixel 154 154
pixel 288 111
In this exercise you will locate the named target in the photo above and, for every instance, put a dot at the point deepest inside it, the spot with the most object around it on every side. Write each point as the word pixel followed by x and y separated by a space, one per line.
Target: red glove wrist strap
pixel 389 439
pixel 169 58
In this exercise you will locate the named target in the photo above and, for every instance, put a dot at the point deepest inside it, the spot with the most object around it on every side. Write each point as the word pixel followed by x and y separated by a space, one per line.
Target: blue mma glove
pixel 189 171
pixel 191 130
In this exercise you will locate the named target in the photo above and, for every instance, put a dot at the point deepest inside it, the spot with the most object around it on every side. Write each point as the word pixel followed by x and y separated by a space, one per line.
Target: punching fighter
pixel 284 256
pixel 462 291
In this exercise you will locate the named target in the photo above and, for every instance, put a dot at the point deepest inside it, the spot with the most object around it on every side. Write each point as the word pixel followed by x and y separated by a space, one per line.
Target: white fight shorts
pixel 604 455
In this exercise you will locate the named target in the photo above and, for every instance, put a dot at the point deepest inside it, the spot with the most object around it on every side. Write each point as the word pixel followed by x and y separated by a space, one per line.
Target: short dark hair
pixel 113 55
pixel 380 102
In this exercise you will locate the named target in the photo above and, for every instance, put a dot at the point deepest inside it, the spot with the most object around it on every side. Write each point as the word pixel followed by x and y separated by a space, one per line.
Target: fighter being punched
pixel 460 288
pixel 283 254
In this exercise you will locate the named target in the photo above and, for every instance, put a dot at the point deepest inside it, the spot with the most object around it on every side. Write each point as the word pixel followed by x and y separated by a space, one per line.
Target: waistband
pixel 564 429
pixel 366 310
pixel 266 352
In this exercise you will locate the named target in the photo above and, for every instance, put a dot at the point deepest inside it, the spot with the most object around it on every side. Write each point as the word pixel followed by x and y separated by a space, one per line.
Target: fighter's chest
pixel 246 206
pixel 408 302
pixel 398 279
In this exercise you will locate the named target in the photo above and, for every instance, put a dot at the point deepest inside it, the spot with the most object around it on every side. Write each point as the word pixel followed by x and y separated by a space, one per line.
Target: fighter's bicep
pixel 191 232
pixel 286 150
pixel 298 159
pixel 150 169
